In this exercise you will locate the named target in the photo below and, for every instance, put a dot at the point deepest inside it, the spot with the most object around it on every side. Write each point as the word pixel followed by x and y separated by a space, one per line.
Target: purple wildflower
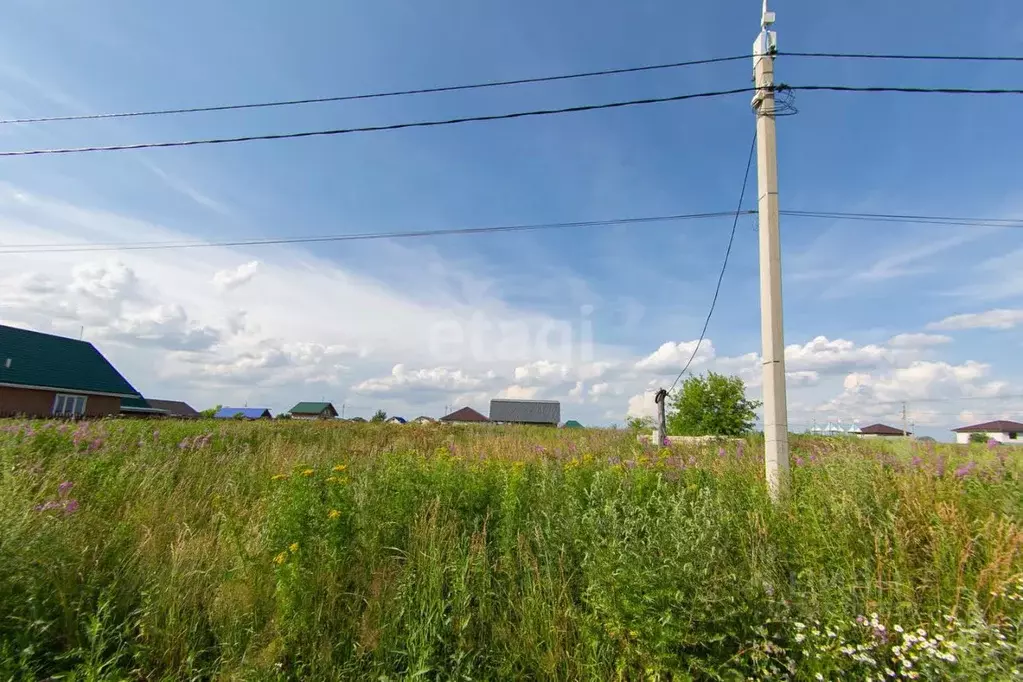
pixel 71 506
pixel 48 505
pixel 992 444
pixel 939 466
pixel 799 461
pixel 739 450
pixel 917 461
pixel 966 469
pixel 721 452
pixel 861 619
pixel 96 444
pixel 540 449
pixel 666 442
pixel 64 487
pixel 691 461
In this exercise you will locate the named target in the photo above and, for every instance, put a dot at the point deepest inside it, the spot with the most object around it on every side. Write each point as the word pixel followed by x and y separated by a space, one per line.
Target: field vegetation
pixel 162 550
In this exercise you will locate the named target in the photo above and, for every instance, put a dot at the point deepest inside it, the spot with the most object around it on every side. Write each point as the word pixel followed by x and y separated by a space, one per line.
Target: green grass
pixel 296 550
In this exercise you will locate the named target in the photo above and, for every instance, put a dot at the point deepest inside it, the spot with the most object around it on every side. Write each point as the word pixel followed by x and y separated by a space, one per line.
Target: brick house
pixel 43 375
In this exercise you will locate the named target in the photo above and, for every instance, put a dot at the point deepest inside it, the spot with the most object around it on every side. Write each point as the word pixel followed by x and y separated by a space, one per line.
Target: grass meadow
pixel 162 550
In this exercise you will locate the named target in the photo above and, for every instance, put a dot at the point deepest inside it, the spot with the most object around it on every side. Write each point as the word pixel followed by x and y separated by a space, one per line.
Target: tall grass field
pixel 162 550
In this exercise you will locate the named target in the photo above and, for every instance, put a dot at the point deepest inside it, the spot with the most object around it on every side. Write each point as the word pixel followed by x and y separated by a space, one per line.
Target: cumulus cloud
pixel 104 281
pixel 671 357
pixel 1000 318
pixel 439 379
pixel 516 392
pixel 164 326
pixel 232 278
pixel 824 355
pixel 915 341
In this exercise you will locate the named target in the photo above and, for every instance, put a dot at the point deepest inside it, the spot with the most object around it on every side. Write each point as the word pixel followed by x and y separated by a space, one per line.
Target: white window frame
pixel 69 405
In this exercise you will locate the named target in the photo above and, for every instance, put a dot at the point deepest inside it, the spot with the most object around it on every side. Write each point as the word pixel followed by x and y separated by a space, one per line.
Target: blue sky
pixel 335 320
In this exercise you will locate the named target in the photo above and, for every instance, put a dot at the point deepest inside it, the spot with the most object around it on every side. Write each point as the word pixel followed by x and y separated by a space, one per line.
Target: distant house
pixel 424 420
pixel 43 375
pixel 357 420
pixel 395 420
pixel 175 408
pixel 466 415
pixel 1001 430
pixel 250 413
pixel 140 407
pixel 313 411
pixel 571 424
pixel 537 412
pixel 882 431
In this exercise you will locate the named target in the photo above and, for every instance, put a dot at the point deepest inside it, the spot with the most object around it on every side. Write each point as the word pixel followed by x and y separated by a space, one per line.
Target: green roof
pixel 312 408
pixel 34 359
pixel 139 404
pixel 573 424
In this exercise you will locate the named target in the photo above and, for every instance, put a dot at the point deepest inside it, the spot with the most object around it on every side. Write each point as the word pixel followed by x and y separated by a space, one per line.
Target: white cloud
pixel 802 378
pixel 542 371
pixel 1000 318
pixel 642 405
pixel 111 281
pixel 164 326
pixel 914 341
pixel 516 392
pixel 442 379
pixel 671 357
pixel 232 278
pixel 824 355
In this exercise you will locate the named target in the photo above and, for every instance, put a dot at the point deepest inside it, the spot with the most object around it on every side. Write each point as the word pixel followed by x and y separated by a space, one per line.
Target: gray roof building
pixel 525 411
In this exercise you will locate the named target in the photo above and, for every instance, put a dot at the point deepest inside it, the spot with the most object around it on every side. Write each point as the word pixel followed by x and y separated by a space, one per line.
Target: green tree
pixel 712 405
pixel 640 423
pixel 978 437
pixel 208 414
pixel 380 416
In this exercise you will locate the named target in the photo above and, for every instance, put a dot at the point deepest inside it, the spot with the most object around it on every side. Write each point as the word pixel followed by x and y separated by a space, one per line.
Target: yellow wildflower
pixel 278 477
pixel 333 514
pixel 293 547
pixel 340 467
pixel 308 472
pixel 332 479
pixel 280 558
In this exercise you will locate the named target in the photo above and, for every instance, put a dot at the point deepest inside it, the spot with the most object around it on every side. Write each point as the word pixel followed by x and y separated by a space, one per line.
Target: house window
pixel 69 405
pixel 1012 435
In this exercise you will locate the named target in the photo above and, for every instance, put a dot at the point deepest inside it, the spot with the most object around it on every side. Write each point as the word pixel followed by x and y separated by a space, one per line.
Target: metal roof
pixel 882 430
pixel 246 412
pixel 175 408
pixel 36 360
pixel 525 411
pixel 313 408
pixel 997 426
pixel 466 414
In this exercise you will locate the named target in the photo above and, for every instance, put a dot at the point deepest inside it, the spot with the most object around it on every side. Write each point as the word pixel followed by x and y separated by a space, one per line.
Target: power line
pixel 496 84
pixel 906 57
pixel 511 115
pixel 833 215
pixel 902 218
pixel 378 128
pixel 376 95
pixel 902 89
pixel 154 246
pixel 724 263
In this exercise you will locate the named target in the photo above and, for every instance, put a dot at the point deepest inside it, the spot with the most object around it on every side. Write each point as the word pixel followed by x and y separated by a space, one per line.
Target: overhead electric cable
pixel 389 126
pixel 153 246
pixel 724 263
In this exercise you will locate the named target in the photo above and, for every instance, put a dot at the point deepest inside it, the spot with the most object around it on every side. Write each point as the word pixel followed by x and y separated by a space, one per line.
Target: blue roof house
pixel 243 413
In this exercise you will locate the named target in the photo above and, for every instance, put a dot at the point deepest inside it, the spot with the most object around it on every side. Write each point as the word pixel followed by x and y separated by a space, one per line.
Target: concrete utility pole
pixel 905 431
pixel 776 428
